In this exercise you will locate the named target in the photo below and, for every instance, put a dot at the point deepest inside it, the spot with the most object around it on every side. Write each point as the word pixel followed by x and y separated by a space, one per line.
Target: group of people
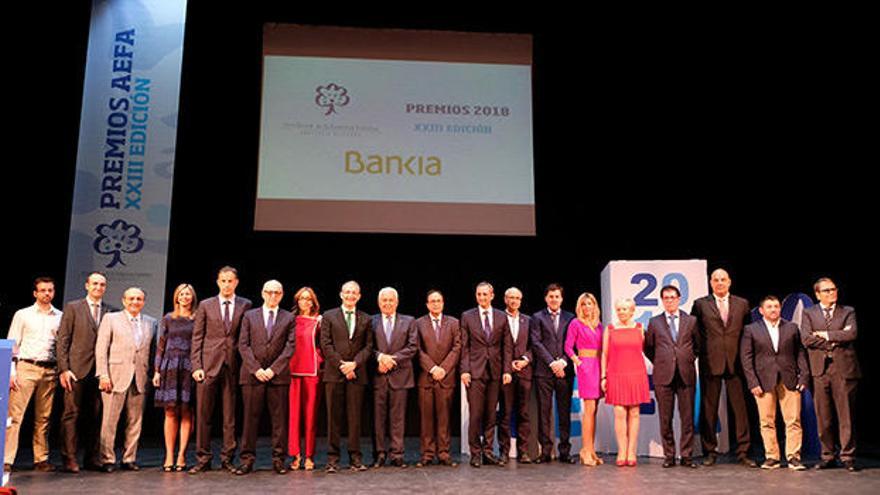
pixel 210 351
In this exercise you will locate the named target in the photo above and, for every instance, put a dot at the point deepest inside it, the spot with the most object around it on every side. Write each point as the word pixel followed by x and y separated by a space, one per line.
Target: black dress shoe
pixel 524 459
pixel 567 459
pixel 358 466
pixel 688 462
pixel 828 464
pixel 200 467
pixel 850 466
pixel 244 469
pixel 448 462
pixel 229 466
pixel 331 469
pixel 746 462
pixel 108 468
pixel 129 466
pixel 279 467
pixel 710 459
pixel 491 460
pixel 476 461
pixel 668 462
pixel 380 461
pixel 542 459
pixel 398 463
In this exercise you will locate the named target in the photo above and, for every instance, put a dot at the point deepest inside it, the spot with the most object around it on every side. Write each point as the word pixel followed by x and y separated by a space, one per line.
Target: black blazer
pixel 548 346
pixel 212 344
pixel 521 347
pixel 485 358
pixel 443 352
pixel 666 355
pixel 337 347
pixel 763 366
pixel 841 343
pixel 403 347
pixel 258 351
pixel 719 343
pixel 77 335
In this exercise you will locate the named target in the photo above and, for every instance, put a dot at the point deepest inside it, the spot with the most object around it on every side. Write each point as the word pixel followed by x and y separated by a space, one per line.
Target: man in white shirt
pixel 34 330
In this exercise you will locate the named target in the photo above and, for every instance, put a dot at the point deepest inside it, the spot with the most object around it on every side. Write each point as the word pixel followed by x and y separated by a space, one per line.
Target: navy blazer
pixel 403 347
pixel 484 358
pixel 764 366
pixel 548 345
pixel 666 355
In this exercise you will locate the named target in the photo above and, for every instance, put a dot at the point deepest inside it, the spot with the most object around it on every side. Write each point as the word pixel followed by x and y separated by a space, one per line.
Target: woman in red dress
pixel 625 378
pixel 305 378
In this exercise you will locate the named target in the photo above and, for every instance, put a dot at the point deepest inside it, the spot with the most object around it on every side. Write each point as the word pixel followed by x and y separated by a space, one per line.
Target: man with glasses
pixel 829 331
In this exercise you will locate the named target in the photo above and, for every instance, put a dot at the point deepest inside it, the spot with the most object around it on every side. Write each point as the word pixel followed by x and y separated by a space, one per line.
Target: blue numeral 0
pixel 642 299
pixel 682 285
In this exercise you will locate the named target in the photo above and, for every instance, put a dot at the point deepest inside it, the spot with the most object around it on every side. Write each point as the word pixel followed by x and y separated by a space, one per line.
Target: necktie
pixel 555 316
pixel 722 308
pixel 96 314
pixel 136 328
pixel 487 327
pixel 827 318
pixel 388 329
pixel 436 328
pixel 270 323
pixel 672 328
pixel 348 323
pixel 227 319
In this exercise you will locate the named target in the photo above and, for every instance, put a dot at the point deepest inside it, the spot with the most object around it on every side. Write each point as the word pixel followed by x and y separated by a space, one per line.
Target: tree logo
pixel 331 96
pixel 117 238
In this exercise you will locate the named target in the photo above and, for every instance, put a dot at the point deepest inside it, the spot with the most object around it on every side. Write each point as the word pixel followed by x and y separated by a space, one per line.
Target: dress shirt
pixel 34 331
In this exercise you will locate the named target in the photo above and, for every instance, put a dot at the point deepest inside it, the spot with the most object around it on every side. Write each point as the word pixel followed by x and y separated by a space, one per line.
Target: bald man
pixel 721 317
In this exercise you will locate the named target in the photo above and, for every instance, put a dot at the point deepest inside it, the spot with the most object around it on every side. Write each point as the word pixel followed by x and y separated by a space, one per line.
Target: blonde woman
pixel 625 378
pixel 583 344
pixel 173 377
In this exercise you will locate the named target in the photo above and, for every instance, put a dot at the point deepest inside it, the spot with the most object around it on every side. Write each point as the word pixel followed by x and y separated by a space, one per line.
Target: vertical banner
pixel 125 159
pixel 5 370
pixel 641 281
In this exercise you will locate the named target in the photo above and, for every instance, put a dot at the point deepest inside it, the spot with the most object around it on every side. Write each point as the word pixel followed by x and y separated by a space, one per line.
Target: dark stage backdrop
pixel 656 137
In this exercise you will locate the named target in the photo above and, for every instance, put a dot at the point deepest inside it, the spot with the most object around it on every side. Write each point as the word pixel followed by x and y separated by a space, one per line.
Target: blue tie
pixel 672 328
pixel 487 328
pixel 388 329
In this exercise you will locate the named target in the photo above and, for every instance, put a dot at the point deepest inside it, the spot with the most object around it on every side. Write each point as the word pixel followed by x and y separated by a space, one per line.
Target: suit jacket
pixel 521 347
pixel 719 343
pixel 547 344
pixel 667 355
pixel 118 357
pixel 840 344
pixel 259 351
pixel 212 344
pixel 763 366
pixel 77 334
pixel 443 352
pixel 337 346
pixel 484 358
pixel 403 347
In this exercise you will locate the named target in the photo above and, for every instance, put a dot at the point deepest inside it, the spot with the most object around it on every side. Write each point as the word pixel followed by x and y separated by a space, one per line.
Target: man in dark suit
pixel 720 320
pixel 671 344
pixel 214 358
pixel 347 343
pixel 553 373
pixel 775 366
pixel 75 351
pixel 396 345
pixel 439 339
pixel 486 357
pixel 515 395
pixel 829 332
pixel 266 343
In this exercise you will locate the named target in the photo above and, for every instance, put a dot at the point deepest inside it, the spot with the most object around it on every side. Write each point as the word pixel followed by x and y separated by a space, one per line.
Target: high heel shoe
pixel 598 460
pixel 294 465
pixel 310 464
pixel 631 462
pixel 587 459
pixel 621 462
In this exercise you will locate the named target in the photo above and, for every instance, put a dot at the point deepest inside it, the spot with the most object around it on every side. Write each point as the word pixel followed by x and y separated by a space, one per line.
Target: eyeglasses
pixel 828 290
pixel 273 292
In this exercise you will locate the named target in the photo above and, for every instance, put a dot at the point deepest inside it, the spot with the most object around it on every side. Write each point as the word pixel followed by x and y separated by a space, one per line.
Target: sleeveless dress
pixel 581 337
pixel 626 376
pixel 173 362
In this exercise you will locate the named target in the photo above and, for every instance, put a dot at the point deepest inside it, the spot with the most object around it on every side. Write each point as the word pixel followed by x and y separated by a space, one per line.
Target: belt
pixel 42 364
pixel 590 353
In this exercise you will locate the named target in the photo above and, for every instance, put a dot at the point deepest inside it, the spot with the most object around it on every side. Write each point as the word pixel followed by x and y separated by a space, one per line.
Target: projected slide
pixel 368 130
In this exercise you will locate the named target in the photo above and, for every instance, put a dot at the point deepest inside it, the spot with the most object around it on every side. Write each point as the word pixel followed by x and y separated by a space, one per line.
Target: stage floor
pixel 648 477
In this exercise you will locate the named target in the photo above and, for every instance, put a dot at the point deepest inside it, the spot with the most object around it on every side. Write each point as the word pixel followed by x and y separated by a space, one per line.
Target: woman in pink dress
pixel 305 378
pixel 583 344
pixel 625 378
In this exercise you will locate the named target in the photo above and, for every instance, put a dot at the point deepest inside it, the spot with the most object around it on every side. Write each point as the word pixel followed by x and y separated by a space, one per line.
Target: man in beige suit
pixel 122 359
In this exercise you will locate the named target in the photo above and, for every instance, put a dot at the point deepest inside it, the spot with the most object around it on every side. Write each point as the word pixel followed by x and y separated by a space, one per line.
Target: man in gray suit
pixel 122 359
pixel 396 345
pixel 75 351
pixel 829 332
pixel 776 370
pixel 214 358
pixel 671 345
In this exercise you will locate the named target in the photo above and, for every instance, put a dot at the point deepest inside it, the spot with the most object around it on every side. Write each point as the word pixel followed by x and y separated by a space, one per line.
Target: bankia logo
pixel 331 96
